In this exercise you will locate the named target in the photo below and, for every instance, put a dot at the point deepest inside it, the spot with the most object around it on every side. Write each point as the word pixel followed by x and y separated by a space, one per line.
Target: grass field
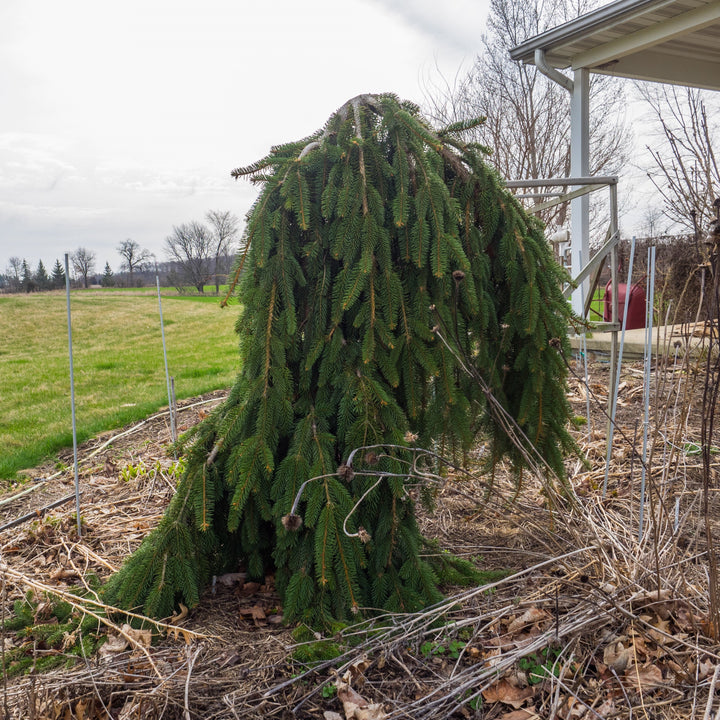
pixel 118 363
pixel 597 305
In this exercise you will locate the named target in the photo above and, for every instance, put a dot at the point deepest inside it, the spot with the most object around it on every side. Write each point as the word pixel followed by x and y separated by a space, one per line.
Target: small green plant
pixel 452 649
pixel 475 703
pixel 141 470
pixel 540 665
pixel 132 472
pixel 329 691
pixel 693 448
pixel 313 647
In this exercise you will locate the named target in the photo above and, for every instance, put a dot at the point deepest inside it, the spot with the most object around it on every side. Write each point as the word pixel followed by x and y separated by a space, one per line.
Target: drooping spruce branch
pixel 357 232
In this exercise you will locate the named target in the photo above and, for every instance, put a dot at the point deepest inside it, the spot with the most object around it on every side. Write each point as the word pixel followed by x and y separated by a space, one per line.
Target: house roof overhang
pixel 669 41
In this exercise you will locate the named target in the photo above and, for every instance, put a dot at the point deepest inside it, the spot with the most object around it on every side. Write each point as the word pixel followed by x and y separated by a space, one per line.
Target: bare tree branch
pixel 224 226
pixel 527 115
pixel 684 166
pixel 192 246
pixel 134 257
pixel 83 262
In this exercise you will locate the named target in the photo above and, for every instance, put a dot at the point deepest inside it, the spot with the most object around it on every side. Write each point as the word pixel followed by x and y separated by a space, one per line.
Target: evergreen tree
pixel 41 277
pixel 26 279
pixel 108 278
pixel 58 275
pixel 380 256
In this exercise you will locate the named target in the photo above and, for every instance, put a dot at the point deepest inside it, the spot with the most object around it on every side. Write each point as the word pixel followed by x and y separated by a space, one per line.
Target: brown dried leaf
pixel 504 692
pixel 529 617
pixel 706 668
pixel 572 709
pixel 354 674
pixel 139 637
pixel 175 619
pixel 112 646
pixel 371 712
pixel 348 696
pixel 519 715
pixel 230 579
pixel 645 678
pixel 607 709
pixel 616 656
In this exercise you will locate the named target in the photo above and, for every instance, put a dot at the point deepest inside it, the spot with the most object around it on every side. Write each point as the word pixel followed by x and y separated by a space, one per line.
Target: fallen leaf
pixel 606 709
pixel 529 617
pixel 645 678
pixel 138 637
pixel 663 630
pixel 519 715
pixel 616 656
pixel 371 712
pixel 230 579
pixel 332 715
pixel 249 588
pixel 572 709
pixel 508 694
pixel 180 616
pixel 347 695
pixel 112 646
pixel 355 672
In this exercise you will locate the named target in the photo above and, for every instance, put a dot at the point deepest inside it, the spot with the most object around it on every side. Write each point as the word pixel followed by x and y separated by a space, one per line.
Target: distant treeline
pixel 199 254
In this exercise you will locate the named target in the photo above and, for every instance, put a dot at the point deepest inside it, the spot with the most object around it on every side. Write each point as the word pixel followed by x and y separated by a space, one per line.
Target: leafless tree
pixel 14 273
pixel 133 258
pixel 684 165
pixel 191 246
pixel 527 126
pixel 653 222
pixel 83 262
pixel 224 226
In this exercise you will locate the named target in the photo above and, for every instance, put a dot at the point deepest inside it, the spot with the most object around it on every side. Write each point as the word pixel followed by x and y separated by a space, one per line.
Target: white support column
pixel 580 167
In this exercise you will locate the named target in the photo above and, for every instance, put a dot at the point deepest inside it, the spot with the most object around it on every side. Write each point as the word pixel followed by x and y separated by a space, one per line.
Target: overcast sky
pixel 122 119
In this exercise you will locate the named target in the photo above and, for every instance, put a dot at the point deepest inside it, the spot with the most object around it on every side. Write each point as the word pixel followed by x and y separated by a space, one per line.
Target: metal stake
pixel 648 363
pixel 616 388
pixel 167 372
pixel 72 398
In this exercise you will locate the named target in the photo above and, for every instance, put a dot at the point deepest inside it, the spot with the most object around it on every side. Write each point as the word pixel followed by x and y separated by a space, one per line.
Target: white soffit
pixel 669 41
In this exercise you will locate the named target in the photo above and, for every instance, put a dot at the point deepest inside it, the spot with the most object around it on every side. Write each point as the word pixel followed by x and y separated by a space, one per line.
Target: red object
pixel 636 305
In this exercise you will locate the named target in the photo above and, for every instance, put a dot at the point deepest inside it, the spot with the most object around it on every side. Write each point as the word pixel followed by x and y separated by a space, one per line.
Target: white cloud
pixel 456 24
pixel 122 119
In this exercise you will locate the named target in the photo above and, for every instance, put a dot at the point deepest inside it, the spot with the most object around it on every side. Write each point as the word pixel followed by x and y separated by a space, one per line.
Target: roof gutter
pixel 611 13
pixel 542 65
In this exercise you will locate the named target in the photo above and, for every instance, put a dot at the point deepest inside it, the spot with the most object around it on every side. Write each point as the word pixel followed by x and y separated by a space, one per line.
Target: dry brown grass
pixel 620 623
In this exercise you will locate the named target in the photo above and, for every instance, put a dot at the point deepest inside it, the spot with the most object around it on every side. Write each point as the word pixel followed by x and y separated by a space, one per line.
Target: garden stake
pixel 72 399
pixel 167 373
pixel 648 362
pixel 611 430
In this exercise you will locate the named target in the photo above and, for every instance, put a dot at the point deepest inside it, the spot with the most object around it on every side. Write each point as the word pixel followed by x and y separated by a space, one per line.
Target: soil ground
pixel 589 622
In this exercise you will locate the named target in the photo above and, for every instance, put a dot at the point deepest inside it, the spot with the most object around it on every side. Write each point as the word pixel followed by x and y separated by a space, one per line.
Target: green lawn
pixel 118 362
pixel 597 306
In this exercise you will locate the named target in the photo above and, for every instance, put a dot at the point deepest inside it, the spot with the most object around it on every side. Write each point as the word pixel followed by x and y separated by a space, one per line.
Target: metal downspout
pixel 542 65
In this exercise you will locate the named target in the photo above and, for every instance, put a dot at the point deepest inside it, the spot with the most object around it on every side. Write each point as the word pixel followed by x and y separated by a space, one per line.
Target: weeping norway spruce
pixel 381 257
